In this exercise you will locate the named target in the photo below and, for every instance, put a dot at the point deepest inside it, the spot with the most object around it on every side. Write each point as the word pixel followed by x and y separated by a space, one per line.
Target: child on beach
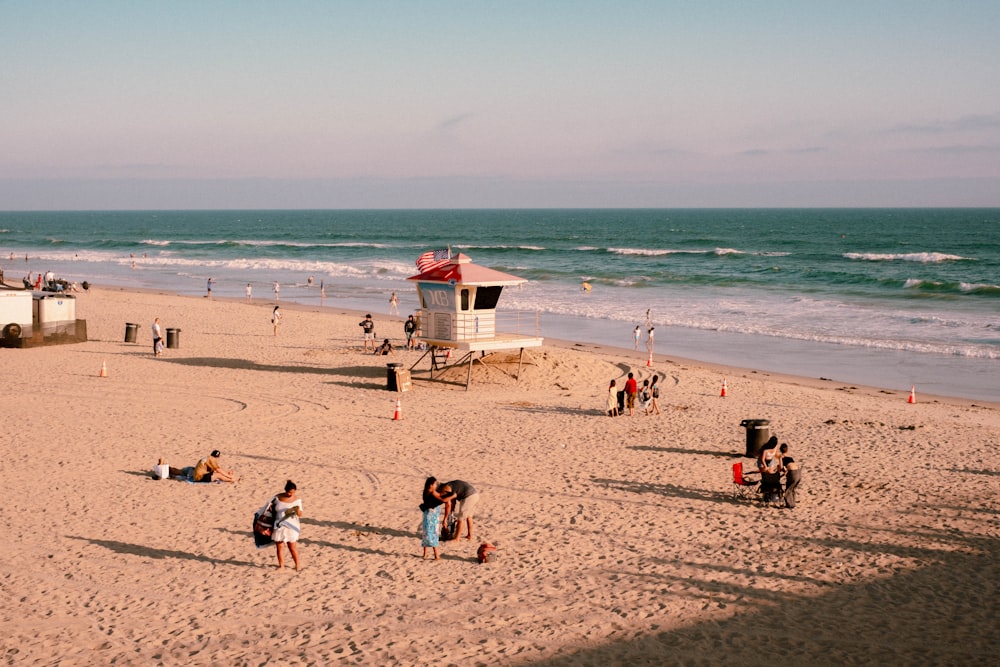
pixel 430 525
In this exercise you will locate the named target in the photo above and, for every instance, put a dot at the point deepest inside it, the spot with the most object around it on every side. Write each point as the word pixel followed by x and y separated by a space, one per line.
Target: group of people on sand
pixel 774 461
pixel 385 347
pixel 444 509
pixel 632 396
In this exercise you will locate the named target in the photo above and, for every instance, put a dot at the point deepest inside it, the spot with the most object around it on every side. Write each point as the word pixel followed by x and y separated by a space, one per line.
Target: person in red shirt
pixel 631 389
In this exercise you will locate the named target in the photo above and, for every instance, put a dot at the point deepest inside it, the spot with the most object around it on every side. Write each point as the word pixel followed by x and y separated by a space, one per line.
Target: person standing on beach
pixel 322 291
pixel 793 476
pixel 209 295
pixel 463 498
pixel 249 293
pixel 157 338
pixel 287 511
pixel 612 399
pixel 409 328
pixel 368 325
pixel 649 339
pixel 654 393
pixel 636 336
pixel 430 524
pixel 277 291
pixel 275 319
pixel 393 304
pixel 631 389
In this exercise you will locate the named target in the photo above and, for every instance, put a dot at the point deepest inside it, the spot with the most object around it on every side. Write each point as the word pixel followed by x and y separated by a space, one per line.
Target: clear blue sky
pixel 326 104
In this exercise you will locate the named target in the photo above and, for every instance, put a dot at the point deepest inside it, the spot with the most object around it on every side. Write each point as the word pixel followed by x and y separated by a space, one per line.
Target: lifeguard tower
pixel 458 302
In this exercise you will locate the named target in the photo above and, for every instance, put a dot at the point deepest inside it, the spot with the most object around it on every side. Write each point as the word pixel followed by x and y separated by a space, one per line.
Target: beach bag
pixel 263 524
pixel 450 528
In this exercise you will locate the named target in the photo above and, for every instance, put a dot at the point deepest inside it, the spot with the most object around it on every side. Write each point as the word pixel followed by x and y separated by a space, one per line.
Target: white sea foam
pixel 922 257
pixel 652 252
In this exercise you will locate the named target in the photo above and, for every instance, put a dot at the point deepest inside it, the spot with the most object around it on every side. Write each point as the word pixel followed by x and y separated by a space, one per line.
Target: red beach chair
pixel 743 487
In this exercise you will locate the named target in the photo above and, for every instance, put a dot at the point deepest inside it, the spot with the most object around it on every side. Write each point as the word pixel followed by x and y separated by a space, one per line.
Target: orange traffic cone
pixel 913 395
pixel 723 393
pixel 399 412
pixel 104 370
pixel 649 361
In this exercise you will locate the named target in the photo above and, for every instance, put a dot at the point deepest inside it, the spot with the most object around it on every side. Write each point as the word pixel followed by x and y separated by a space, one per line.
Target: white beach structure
pixel 458 302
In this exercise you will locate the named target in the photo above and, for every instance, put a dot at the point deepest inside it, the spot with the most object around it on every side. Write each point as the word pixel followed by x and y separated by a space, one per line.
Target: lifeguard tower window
pixel 487 297
pixel 465 299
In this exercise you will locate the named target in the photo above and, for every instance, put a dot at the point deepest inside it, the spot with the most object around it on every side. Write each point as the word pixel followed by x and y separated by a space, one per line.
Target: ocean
pixel 891 298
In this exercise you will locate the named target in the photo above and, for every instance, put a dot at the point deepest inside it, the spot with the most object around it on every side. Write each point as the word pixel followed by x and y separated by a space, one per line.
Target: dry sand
pixel 620 543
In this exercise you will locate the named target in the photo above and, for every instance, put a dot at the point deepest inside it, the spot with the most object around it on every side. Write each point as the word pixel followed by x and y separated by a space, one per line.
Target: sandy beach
pixel 619 540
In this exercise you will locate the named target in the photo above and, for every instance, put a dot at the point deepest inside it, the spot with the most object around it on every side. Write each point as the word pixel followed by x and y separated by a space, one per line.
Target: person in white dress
pixel 287 510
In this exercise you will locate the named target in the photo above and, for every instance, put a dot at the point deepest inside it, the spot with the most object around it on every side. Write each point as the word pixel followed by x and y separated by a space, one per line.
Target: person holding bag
pixel 287 511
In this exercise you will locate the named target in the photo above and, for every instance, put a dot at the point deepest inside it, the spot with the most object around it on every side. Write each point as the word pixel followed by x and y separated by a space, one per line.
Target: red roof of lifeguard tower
pixel 461 270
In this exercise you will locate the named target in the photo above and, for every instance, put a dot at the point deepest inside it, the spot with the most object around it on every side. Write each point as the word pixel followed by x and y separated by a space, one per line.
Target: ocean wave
pixel 533 248
pixel 648 252
pixel 944 288
pixel 980 288
pixel 922 257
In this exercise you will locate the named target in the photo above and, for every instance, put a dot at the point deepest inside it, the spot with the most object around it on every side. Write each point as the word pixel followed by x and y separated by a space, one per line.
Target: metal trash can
pixel 758 433
pixel 173 338
pixel 390 376
pixel 130 331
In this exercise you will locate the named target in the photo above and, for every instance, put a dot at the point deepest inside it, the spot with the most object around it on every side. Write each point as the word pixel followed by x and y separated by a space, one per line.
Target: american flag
pixel 433 259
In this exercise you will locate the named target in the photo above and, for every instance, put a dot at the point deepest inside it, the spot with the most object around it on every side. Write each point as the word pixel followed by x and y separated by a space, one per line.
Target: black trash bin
pixel 130 331
pixel 173 338
pixel 758 433
pixel 390 376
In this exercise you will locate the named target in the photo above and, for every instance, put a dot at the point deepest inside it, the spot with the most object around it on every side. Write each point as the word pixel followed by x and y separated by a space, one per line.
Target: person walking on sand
pixel 636 336
pixel 430 524
pixel 649 339
pixel 368 325
pixel 275 319
pixel 287 511
pixel 612 399
pixel 277 291
pixel 157 338
pixel 393 304
pixel 249 293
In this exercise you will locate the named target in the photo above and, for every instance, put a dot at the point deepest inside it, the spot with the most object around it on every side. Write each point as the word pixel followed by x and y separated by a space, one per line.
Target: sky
pixel 431 104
